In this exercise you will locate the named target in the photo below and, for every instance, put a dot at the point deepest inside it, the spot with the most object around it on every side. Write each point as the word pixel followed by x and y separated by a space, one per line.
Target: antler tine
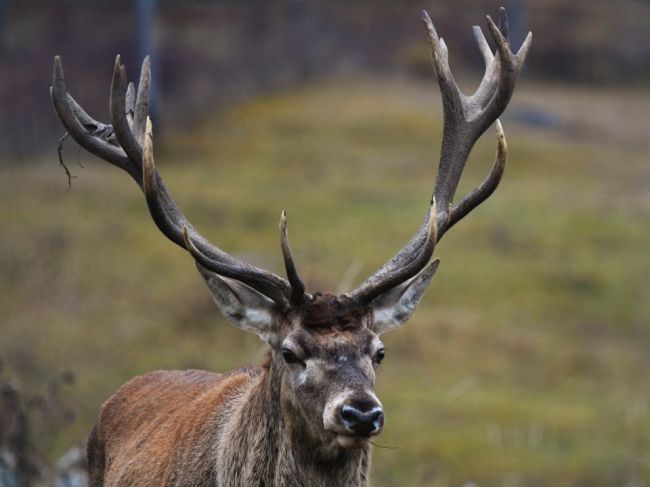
pixel 141 111
pixel 74 119
pixel 297 286
pixel 465 120
pixel 503 24
pixel 439 54
pixel 487 187
pixel 483 46
pixel 493 96
pixel 134 154
pixel 130 104
pixel 171 228
pixel 118 102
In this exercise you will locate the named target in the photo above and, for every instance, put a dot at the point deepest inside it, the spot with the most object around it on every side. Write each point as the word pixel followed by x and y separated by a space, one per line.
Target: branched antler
pixel 128 144
pixel 466 118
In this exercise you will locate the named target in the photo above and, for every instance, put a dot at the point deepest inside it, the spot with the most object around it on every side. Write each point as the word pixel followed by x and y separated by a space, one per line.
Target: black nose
pixel 362 421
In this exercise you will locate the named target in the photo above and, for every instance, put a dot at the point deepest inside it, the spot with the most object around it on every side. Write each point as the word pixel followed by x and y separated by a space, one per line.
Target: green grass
pixel 528 361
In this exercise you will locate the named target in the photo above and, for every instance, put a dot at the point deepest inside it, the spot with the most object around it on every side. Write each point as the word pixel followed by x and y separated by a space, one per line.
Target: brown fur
pixel 156 430
pixel 328 313
pixel 195 428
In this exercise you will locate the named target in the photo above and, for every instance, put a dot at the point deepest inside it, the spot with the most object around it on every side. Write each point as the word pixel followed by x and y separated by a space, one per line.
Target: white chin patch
pixel 346 441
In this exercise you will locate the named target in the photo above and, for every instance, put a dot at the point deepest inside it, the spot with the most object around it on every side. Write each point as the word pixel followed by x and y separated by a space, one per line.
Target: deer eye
pixel 289 357
pixel 379 356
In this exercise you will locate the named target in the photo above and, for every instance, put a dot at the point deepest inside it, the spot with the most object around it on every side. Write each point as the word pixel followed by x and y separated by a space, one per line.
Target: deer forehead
pixel 328 311
pixel 334 344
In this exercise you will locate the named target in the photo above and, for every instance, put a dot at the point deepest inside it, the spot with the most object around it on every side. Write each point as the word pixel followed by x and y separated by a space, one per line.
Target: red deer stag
pixel 306 417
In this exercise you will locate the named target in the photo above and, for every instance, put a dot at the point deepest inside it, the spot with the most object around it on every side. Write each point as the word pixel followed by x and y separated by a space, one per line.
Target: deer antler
pixel 466 118
pixel 128 144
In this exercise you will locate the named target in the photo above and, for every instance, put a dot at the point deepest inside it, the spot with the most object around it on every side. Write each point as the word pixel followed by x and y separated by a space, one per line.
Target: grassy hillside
pixel 529 359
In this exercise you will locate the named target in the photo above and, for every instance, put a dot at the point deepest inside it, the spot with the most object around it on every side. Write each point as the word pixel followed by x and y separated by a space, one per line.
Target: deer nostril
pixel 360 422
pixel 349 414
pixel 377 417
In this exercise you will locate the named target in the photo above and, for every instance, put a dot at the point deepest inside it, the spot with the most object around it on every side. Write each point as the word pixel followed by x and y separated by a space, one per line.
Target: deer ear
pixel 243 306
pixel 393 308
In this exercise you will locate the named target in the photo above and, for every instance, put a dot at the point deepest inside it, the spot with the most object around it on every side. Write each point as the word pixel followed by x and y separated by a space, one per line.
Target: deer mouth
pixel 352 441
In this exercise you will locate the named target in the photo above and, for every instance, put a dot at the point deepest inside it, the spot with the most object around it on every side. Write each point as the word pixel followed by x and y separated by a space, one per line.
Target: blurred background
pixel 528 362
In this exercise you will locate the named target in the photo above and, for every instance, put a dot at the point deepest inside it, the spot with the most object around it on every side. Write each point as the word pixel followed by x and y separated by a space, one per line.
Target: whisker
pixel 388 447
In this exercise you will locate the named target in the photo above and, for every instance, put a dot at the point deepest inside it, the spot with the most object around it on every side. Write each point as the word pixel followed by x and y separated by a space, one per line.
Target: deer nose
pixel 362 421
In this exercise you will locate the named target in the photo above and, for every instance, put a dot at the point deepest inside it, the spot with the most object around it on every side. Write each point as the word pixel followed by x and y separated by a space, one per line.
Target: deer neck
pixel 273 445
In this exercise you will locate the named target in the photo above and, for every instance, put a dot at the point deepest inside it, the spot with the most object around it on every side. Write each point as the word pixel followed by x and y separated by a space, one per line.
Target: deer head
pixel 325 348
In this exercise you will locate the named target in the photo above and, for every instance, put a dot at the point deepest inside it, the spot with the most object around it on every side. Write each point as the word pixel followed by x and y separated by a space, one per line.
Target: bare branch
pixel 62 163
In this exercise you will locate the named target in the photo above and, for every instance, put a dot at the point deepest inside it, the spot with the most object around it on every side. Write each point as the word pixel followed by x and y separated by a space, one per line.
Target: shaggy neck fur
pixel 265 441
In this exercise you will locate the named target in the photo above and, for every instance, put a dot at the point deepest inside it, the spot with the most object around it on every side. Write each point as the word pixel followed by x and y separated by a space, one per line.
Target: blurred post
pixel 146 13
pixel 4 7
pixel 517 10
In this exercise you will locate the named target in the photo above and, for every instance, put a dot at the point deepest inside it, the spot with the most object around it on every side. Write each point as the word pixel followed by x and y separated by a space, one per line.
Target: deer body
pixel 305 418
pixel 203 429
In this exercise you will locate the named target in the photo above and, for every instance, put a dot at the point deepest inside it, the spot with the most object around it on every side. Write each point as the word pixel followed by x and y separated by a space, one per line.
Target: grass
pixel 527 363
